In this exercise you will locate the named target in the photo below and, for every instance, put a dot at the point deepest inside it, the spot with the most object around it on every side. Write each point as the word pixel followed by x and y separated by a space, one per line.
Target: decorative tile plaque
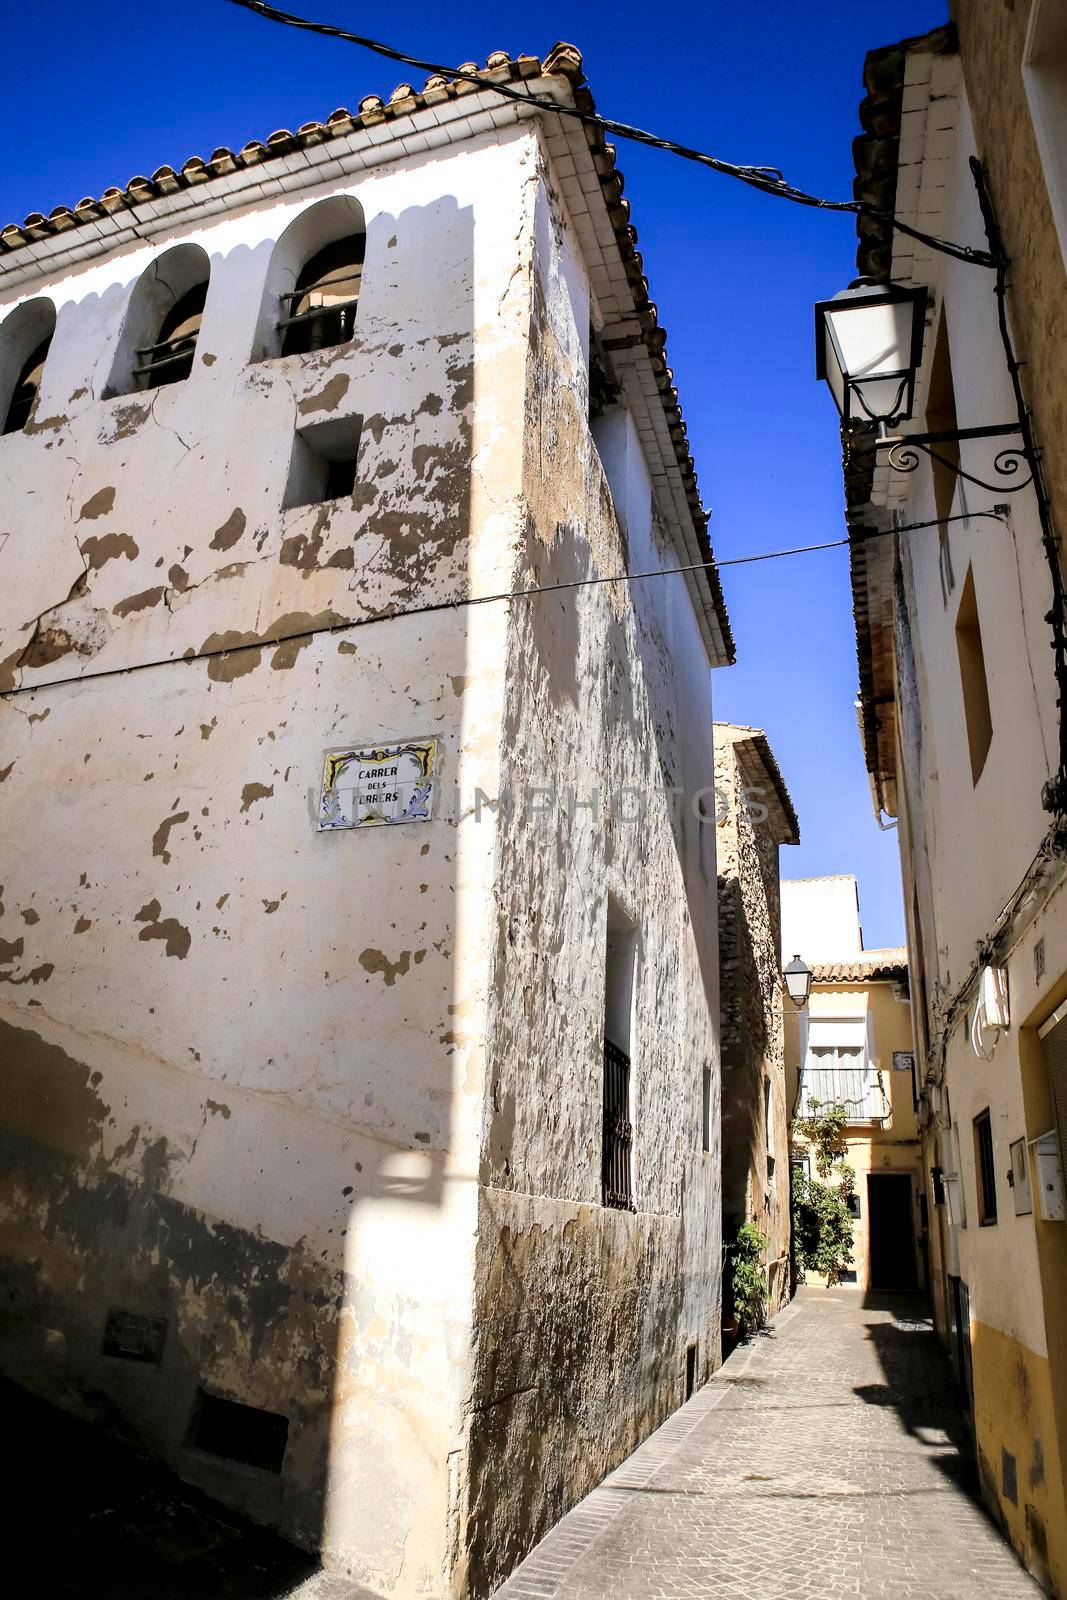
pixel 372 786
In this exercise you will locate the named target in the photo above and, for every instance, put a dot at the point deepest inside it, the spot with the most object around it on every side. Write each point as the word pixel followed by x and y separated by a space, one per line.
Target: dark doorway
pixel 891 1230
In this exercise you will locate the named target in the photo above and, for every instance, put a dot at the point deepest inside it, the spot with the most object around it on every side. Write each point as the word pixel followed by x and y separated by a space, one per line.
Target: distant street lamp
pixel 868 347
pixel 798 982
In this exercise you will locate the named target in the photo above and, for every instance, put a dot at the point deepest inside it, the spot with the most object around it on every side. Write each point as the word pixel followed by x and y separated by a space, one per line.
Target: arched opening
pixel 314 279
pixel 24 341
pixel 158 342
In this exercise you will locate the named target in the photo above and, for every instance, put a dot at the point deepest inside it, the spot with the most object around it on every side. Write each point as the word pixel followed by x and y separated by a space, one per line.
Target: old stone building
pixel 358 1042
pixel 754 817
pixel 963 686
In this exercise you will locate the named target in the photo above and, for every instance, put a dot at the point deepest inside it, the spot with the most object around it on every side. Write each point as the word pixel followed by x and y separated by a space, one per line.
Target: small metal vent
pixel 128 1336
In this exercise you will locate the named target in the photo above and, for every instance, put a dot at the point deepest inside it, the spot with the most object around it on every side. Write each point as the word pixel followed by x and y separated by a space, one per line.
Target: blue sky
pixel 111 90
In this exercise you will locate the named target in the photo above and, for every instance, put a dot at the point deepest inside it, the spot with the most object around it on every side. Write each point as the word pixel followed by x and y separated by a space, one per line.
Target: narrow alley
pixel 825 1459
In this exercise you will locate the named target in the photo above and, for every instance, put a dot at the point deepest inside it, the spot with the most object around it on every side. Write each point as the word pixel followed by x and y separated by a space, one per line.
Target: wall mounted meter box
pixel 1048 1177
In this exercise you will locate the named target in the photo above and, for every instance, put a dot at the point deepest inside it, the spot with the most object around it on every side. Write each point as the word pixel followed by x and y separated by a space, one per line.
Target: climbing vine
pixel 822 1221
pixel 749 1279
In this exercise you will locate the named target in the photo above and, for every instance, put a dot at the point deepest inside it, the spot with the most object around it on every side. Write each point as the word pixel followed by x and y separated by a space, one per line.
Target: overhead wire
pixel 272 641
pixel 769 180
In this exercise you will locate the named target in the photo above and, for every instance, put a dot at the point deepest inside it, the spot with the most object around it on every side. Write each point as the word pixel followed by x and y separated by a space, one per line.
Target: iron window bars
pixel 617 1177
pixel 318 326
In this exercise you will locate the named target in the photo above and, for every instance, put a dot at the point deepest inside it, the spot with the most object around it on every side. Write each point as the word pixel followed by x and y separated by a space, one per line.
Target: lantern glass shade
pixel 868 347
pixel 798 982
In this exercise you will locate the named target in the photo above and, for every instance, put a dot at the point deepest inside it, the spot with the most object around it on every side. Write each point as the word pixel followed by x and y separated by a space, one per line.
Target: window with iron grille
pixel 170 358
pixel 321 310
pixel 985 1172
pixel 617 1146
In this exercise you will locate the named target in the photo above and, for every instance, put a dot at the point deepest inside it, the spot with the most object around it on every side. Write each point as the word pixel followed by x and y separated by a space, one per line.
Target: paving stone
pixel 828 1458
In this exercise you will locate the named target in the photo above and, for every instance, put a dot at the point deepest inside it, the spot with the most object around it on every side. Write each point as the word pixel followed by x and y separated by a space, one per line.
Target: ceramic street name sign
pixel 377 785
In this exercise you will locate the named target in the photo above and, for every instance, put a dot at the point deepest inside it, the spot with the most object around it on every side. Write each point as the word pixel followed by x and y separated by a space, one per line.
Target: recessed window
pixel 620 961
pixel 25 338
pixel 941 415
pixel 313 281
pixel 323 463
pixel 973 680
pixel 159 336
pixel 985 1172
pixel 321 310
pixel 705 1110
pixel 169 359
pixel 240 1433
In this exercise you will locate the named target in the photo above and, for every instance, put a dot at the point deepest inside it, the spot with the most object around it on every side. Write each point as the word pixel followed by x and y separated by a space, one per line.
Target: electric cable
pixel 769 180
pixel 270 642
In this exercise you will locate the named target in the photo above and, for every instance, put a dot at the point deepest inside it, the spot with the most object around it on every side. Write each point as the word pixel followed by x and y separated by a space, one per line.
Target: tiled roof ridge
pixel 761 745
pixel 868 966
pixel 563 61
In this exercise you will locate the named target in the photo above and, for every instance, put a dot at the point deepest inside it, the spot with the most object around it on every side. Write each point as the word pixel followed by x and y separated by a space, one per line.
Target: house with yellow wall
pixel 852 1045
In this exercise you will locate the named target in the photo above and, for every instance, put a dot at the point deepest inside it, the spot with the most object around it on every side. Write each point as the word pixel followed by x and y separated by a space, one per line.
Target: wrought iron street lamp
pixel 798 982
pixel 869 348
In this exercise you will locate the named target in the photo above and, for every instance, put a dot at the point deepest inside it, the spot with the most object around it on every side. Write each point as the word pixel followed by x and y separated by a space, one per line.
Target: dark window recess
pixel 26 387
pixel 323 463
pixel 847 1275
pixel 690 1371
pixel 128 1336
pixel 853 1203
pixel 937 1179
pixel 603 389
pixel 321 310
pixel 170 359
pixel 618 1130
pixel 240 1433
pixel 986 1174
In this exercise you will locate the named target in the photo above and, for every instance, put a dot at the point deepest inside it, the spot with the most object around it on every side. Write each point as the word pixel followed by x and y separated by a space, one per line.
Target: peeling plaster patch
pixel 209 361
pixel 138 602
pixel 126 420
pixel 288 651
pixel 179 578
pixel 39 716
pixel 217 1109
pixel 98 505
pixel 329 397
pixel 178 939
pixel 230 531
pixel 10 950
pixel 47 1095
pixel 84 631
pixel 101 548
pixel 224 667
pixel 375 961
pixel 253 792
pixel 347 648
pixel 5 772
pixel 82 925
pixel 45 425
pixel 30 916
pixel 208 728
pixel 35 976
pixel 459 684
pixel 162 834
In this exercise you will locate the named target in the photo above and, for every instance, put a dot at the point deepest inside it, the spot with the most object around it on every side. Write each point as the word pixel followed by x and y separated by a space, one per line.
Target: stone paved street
pixel 823 1460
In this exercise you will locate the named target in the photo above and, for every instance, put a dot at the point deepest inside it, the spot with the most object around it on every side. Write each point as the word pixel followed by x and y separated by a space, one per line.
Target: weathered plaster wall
pixel 583 1314
pixel 754 1189
pixel 242 1060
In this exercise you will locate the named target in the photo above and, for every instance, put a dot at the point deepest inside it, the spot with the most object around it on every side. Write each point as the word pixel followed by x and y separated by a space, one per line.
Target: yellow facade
pixel 889 1146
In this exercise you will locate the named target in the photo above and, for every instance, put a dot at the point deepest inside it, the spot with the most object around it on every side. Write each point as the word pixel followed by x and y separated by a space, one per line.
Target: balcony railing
pixel 617 1176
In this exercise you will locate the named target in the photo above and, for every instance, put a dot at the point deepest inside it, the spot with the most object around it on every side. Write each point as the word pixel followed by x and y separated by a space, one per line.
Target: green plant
pixel 748 1279
pixel 822 1221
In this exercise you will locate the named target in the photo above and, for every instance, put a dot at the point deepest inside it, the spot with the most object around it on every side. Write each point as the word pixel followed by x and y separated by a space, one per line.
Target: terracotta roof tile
pixel 563 61
pixel 870 966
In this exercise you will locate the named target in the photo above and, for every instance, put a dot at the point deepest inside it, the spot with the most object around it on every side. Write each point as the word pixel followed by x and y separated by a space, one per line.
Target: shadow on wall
pixel 238 1252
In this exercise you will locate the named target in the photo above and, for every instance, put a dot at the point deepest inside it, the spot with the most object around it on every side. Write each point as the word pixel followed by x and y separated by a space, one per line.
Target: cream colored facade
pixel 961 727
pixel 860 999
pixel 328 1106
